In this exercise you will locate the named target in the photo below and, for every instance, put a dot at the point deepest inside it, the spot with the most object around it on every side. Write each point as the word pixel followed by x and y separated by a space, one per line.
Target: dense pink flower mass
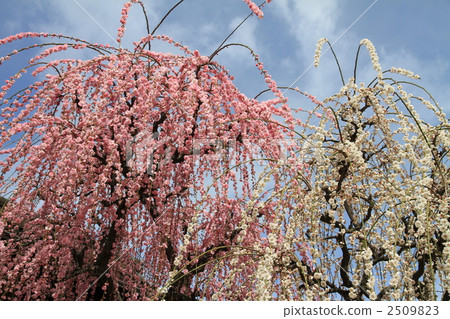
pixel 119 190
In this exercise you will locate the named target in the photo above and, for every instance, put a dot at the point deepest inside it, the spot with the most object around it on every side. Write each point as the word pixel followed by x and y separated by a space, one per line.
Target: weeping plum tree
pixel 108 167
pixel 373 208
pixel 135 175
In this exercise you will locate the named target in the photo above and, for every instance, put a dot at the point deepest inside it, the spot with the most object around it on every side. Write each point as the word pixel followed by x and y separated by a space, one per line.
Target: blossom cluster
pixel 256 9
pixel 405 73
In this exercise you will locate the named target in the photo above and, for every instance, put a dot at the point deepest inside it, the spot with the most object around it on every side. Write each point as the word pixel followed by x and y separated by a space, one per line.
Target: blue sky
pixel 412 34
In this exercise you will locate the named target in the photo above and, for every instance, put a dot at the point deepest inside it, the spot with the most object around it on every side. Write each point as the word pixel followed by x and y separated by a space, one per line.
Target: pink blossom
pixel 255 9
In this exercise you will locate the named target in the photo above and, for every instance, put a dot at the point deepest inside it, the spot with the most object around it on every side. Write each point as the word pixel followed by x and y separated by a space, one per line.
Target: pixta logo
pixel 149 151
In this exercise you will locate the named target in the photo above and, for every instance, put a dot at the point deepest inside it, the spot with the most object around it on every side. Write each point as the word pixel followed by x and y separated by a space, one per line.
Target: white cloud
pixel 309 20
